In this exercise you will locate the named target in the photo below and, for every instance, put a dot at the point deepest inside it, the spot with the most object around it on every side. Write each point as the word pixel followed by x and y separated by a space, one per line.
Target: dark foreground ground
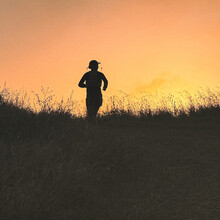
pixel 55 167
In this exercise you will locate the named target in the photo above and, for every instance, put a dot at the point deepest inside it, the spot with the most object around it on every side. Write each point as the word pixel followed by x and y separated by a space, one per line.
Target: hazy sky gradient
pixel 50 42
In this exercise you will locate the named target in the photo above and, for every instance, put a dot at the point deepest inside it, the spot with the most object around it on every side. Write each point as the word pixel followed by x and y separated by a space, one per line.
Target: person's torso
pixel 93 79
pixel 93 84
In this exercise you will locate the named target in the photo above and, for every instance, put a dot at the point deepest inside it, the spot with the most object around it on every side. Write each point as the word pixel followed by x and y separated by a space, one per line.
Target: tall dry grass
pixel 54 165
pixel 177 103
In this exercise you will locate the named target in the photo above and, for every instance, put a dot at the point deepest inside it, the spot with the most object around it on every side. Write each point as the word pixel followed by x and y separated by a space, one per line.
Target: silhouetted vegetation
pixel 150 165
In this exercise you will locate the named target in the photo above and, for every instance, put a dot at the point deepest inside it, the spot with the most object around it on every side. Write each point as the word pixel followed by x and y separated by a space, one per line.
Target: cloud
pixel 165 82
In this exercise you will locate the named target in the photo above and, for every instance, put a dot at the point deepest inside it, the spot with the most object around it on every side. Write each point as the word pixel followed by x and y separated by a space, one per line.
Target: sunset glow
pixel 142 44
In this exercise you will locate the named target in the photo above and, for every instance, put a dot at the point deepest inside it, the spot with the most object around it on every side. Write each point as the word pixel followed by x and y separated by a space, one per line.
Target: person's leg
pixel 93 106
pixel 98 104
pixel 88 107
pixel 96 109
pixel 91 112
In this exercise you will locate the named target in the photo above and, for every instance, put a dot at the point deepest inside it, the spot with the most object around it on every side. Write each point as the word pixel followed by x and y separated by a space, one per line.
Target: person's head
pixel 93 65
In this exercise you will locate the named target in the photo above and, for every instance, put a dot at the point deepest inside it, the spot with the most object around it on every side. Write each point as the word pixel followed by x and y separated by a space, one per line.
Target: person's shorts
pixel 94 100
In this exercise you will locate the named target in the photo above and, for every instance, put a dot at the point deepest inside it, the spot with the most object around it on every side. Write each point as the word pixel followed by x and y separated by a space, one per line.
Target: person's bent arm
pixel 105 82
pixel 81 82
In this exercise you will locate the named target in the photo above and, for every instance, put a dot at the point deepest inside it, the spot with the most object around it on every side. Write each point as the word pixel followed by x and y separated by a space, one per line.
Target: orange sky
pixel 50 42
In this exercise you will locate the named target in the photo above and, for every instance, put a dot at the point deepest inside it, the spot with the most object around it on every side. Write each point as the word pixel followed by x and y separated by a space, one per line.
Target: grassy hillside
pixel 57 166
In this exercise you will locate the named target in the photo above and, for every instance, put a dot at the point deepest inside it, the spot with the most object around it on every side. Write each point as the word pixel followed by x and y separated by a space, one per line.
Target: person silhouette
pixel 92 81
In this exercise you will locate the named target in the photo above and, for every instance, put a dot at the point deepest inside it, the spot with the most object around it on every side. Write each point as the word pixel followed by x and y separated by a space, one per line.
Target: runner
pixel 92 81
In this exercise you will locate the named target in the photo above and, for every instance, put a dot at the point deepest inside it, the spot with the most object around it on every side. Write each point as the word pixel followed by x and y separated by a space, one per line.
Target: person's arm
pixel 105 81
pixel 81 82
